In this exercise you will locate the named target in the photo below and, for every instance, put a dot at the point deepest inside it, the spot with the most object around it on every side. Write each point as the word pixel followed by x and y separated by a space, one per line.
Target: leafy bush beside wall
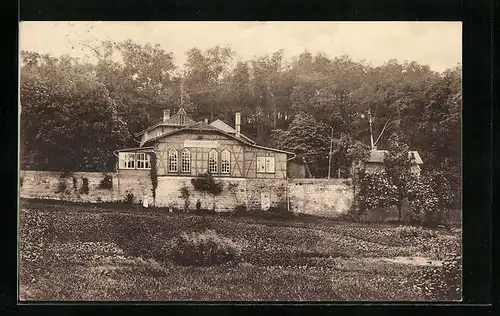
pixel 85 186
pixel 184 191
pixel 129 198
pixel 106 182
pixel 61 186
pixel 205 183
pixel 376 191
pixel 154 175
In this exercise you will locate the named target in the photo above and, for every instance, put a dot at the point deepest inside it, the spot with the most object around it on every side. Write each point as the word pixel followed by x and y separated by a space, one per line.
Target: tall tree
pixel 68 120
pixel 309 139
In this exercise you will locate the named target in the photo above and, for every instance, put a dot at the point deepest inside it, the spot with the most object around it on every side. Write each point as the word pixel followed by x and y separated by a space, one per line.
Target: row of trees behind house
pixel 74 113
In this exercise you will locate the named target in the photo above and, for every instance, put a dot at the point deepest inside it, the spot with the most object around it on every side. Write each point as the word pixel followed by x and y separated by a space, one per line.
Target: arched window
pixel 173 160
pixel 212 161
pixel 225 162
pixel 185 160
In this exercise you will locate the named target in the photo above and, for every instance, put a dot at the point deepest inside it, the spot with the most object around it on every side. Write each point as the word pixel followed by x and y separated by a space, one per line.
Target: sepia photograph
pixel 240 161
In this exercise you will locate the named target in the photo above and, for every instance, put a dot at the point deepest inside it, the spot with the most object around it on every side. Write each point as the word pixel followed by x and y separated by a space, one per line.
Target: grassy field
pixel 76 253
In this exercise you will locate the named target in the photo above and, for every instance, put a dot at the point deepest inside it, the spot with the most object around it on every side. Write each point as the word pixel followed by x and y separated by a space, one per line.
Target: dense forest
pixel 74 113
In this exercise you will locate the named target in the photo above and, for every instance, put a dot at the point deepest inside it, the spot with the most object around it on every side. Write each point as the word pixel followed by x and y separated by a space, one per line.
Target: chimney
pixel 206 120
pixel 166 115
pixel 237 122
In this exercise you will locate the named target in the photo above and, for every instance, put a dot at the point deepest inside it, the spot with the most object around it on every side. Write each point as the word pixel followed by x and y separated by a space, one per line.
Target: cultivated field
pixel 70 252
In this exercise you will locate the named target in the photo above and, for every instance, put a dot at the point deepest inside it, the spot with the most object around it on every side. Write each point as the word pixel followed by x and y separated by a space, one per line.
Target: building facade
pixel 185 148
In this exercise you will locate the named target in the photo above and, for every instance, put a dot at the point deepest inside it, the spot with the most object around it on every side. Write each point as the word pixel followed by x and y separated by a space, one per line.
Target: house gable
pixel 228 129
pixel 217 152
pixel 201 127
pixel 190 149
pixel 180 119
pixel 378 156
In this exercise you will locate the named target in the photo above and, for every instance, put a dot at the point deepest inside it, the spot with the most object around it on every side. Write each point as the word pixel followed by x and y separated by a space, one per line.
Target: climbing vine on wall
pixel 154 175
pixel 206 184
pixel 85 186
pixel 106 182
pixel 184 191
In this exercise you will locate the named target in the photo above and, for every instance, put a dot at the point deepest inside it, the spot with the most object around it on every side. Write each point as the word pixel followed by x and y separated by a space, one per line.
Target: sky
pixel 437 44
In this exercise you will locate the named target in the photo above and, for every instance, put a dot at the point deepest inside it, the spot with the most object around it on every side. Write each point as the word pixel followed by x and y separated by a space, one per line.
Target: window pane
pixel 225 162
pixel 270 164
pixel 172 158
pixel 212 161
pixel 186 161
pixel 261 164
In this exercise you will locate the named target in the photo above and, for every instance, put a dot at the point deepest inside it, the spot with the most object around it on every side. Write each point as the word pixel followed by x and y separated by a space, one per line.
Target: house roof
pixel 202 126
pixel 228 129
pixel 134 149
pixel 172 121
pixel 378 156
pixel 188 124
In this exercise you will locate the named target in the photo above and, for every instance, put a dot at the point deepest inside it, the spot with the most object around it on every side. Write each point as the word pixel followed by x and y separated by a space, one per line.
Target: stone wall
pixel 311 196
pixel 168 194
pixel 322 197
pixel 265 193
pixel 51 185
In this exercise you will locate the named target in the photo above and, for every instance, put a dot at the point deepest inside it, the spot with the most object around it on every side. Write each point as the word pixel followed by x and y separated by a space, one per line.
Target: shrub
pixel 153 175
pixel 205 183
pixel 205 249
pixel 65 174
pixel 129 198
pixel 61 186
pixel 184 191
pixel 106 182
pixel 443 187
pixel 423 201
pixel 85 186
pixel 376 191
pixel 442 283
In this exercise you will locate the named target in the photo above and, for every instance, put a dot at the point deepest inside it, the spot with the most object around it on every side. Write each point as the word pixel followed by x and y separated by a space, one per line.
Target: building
pixel 185 149
pixel 375 161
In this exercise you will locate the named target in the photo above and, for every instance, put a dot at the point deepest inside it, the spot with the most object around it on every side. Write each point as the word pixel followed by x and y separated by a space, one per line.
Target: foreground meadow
pixel 77 253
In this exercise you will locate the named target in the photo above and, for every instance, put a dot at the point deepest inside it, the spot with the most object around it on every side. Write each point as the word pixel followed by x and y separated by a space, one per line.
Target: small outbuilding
pixel 375 161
